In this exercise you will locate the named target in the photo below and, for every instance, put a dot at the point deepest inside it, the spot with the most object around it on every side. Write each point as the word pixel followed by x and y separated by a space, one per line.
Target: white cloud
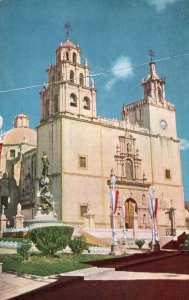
pixel 161 4
pixel 184 144
pixel 121 69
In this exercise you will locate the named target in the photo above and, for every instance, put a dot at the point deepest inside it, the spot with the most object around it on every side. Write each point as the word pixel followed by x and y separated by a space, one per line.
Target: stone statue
pixel 45 162
pixel 19 208
pixel 44 187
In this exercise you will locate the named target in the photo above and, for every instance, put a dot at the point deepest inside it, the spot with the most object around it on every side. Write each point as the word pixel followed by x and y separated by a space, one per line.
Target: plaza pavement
pixel 13 284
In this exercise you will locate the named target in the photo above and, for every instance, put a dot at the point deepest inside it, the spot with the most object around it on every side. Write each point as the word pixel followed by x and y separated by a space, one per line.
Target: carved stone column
pixel 3 220
pixel 19 218
pixel 135 225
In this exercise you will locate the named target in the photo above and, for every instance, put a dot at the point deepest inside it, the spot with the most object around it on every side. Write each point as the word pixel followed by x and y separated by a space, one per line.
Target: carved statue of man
pixel 45 162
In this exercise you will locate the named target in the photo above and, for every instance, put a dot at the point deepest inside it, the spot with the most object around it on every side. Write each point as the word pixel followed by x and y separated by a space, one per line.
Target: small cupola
pixel 21 120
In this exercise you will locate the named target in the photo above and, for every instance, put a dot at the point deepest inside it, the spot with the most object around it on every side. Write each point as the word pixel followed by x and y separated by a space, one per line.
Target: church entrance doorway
pixel 130 210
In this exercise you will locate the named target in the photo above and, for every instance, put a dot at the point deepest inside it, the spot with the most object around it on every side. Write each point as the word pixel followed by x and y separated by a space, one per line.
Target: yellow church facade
pixel 142 149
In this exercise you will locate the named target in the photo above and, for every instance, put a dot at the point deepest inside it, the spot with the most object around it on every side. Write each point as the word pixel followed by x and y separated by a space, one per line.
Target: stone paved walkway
pixel 12 285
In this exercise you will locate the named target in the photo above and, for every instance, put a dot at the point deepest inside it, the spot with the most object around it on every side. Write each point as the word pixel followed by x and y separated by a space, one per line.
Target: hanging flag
pixel 116 201
pixel 112 199
pixel 155 208
pixel 150 208
pixel 152 205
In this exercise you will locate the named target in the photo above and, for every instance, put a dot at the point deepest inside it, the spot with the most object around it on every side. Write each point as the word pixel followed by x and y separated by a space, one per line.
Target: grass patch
pixel 44 266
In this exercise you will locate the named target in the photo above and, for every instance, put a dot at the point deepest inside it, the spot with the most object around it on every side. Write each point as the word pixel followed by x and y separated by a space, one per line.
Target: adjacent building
pixel 17 176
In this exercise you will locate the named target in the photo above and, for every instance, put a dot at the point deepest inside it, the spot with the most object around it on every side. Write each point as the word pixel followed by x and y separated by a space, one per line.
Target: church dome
pixel 21 133
pixel 18 136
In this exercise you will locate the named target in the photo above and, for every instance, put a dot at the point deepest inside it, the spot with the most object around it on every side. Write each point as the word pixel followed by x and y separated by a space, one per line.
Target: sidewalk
pixel 12 284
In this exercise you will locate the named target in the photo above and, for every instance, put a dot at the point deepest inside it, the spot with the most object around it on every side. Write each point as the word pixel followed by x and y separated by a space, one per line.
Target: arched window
pixel 159 95
pixel 73 100
pixel 67 56
pixel 56 104
pixel 72 76
pixel 149 91
pixel 46 108
pixel 129 169
pixel 81 79
pixel 74 58
pixel 59 75
pixel 86 103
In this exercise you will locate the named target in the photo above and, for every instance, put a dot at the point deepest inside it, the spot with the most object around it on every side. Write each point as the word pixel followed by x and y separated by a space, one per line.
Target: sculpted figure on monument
pixel 44 187
pixel 45 162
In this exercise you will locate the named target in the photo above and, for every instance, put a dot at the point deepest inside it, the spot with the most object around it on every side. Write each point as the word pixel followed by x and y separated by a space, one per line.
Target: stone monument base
pixel 43 220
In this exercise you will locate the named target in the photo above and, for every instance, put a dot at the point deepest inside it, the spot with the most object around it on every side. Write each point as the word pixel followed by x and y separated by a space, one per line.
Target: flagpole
pixel 153 207
pixel 156 231
pixel 114 233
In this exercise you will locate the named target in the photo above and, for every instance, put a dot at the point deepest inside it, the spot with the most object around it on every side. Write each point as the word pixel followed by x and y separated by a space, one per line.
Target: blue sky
pixel 111 34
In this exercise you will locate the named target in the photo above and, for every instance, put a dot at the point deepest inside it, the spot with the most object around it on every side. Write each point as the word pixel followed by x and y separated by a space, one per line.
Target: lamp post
pixel 114 244
pixel 171 213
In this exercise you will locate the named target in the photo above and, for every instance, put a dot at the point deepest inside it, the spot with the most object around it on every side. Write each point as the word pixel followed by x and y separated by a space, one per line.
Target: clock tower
pixel 154 112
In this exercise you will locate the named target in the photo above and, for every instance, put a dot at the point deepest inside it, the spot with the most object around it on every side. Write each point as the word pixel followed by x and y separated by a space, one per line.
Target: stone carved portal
pixel 130 212
pixel 127 158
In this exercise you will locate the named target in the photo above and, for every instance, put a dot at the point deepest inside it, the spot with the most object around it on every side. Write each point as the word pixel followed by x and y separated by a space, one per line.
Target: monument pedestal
pixel 3 222
pixel 19 221
pixel 43 220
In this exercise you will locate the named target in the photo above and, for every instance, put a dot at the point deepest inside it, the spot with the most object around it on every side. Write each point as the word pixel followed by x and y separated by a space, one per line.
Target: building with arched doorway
pixel 143 148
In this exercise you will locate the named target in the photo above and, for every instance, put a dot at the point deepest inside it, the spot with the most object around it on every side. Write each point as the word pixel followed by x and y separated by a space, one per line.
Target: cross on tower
pixel 68 27
pixel 151 53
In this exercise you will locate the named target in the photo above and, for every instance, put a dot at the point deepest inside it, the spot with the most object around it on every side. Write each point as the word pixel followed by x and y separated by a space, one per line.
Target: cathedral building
pixel 142 149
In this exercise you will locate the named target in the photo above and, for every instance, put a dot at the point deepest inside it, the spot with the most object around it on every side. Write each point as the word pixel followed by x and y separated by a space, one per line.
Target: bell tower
pixel 154 86
pixel 153 111
pixel 69 90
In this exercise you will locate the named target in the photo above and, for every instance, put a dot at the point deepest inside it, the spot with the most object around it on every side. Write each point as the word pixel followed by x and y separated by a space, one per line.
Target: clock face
pixel 163 124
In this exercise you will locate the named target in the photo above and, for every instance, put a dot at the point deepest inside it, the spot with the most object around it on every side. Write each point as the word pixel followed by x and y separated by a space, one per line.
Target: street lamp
pixel 114 244
pixel 171 213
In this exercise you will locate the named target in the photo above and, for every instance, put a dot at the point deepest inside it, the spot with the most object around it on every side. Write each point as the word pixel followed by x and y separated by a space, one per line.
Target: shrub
pixel 23 249
pixel 140 243
pixel 51 239
pixel 78 244
pixel 185 245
